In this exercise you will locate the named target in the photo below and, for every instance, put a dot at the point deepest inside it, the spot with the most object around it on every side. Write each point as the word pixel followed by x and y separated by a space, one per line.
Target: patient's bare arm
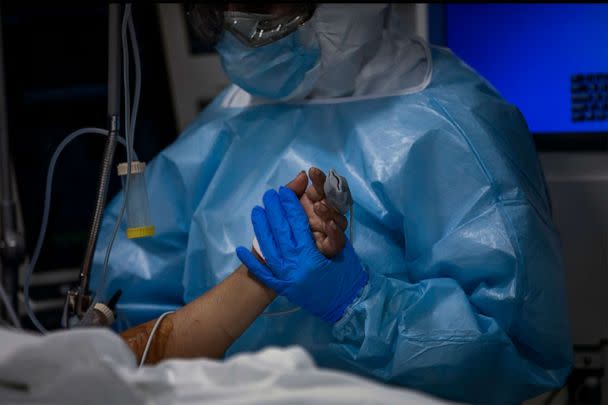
pixel 207 326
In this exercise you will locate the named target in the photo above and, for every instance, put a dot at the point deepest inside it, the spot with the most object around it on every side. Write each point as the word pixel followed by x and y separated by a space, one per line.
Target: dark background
pixel 56 82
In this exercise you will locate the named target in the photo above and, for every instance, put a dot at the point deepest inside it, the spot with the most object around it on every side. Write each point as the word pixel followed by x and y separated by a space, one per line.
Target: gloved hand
pixel 294 267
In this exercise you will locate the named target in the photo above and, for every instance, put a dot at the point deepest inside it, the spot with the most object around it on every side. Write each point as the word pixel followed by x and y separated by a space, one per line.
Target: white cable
pixel 9 308
pixel 279 313
pixel 152 333
pixel 45 215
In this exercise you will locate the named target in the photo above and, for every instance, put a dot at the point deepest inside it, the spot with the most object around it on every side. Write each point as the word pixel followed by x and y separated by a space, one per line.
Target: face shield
pixel 254 25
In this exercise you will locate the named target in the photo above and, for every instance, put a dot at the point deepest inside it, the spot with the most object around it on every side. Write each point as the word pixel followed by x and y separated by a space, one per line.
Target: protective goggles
pixel 253 29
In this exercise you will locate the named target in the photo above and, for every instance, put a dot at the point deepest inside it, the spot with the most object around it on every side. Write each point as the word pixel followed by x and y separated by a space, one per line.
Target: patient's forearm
pixel 207 326
pixel 210 324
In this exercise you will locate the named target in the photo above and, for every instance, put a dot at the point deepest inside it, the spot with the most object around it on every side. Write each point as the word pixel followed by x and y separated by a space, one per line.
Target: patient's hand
pixel 329 239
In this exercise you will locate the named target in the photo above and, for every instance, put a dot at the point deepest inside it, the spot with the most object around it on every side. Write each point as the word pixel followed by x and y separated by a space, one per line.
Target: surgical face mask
pixel 279 70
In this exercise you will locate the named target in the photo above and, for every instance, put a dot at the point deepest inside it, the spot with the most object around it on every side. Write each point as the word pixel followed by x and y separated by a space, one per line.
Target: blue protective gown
pixel 452 220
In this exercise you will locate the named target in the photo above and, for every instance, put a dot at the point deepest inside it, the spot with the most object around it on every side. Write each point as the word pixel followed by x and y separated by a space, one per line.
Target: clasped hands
pixel 308 259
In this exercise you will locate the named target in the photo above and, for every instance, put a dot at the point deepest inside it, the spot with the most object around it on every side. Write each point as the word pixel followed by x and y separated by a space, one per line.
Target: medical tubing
pixel 114 64
pixel 128 136
pixel 45 215
pixel 279 313
pixel 137 62
pixel 114 70
pixel 123 206
pixel 152 333
pixel 112 106
pixel 125 75
pixel 102 193
pixel 9 308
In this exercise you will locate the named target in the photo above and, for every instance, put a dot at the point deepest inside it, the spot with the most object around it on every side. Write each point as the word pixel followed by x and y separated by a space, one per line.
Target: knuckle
pixel 316 224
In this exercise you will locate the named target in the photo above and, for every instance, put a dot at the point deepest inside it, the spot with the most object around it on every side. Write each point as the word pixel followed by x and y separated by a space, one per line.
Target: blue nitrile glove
pixel 294 266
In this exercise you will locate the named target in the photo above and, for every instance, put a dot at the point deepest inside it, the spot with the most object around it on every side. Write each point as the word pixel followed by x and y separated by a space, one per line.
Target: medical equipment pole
pixel 114 76
pixel 11 241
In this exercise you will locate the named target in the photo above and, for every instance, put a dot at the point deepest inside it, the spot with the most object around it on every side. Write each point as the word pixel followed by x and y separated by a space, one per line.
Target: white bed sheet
pixel 95 366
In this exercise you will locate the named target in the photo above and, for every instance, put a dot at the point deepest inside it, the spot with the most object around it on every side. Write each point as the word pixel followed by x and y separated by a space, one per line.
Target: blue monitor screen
pixel 550 60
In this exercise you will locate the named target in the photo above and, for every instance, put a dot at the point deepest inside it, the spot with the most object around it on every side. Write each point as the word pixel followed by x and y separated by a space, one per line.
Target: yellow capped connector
pixel 138 211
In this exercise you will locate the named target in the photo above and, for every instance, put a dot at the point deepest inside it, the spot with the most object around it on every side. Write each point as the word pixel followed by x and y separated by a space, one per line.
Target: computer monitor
pixel 550 60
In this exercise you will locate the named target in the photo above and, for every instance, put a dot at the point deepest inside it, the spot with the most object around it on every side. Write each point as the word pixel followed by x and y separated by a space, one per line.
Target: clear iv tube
pixel 130 119
pixel 137 61
pixel 45 216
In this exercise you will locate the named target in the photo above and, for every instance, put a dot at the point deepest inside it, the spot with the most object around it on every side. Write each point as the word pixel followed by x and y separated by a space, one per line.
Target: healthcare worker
pixel 463 288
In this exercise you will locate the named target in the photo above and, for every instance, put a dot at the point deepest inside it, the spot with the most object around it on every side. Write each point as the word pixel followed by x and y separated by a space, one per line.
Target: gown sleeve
pixel 478 313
